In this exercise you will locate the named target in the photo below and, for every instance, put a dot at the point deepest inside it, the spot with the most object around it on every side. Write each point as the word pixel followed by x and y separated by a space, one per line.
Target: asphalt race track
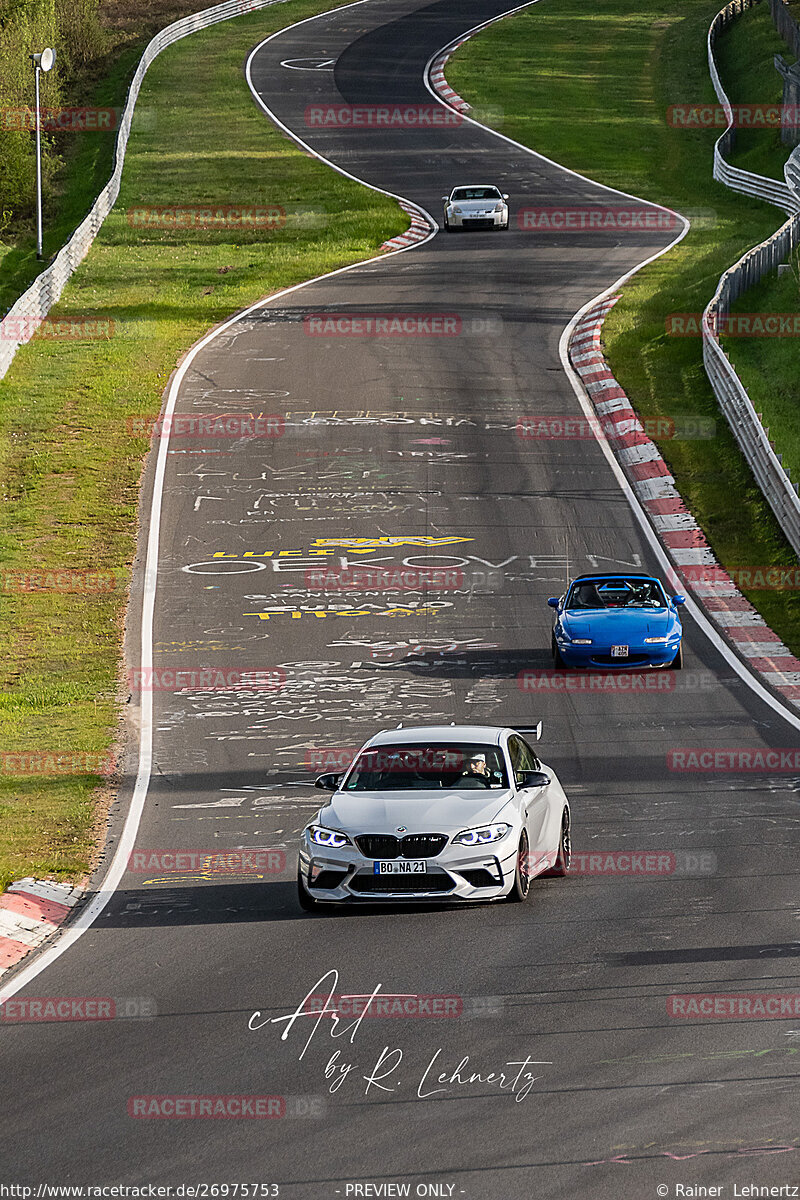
pixel 415 437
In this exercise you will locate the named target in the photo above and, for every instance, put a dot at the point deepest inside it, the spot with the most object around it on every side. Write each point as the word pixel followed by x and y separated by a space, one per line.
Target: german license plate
pixel 619 651
pixel 397 866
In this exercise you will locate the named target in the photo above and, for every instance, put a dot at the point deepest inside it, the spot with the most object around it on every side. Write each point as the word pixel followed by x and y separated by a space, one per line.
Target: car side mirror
pixel 505 195
pixel 553 601
pixel 678 599
pixel 328 783
pixel 530 779
pixel 445 199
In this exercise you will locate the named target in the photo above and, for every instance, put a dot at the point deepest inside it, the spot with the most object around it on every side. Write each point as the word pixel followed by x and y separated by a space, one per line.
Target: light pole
pixel 41 62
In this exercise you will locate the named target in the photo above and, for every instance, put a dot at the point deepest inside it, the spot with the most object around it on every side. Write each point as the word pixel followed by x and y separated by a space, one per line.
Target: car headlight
pixel 653 641
pixel 499 208
pixel 328 837
pixel 481 835
pixel 581 641
pixel 457 210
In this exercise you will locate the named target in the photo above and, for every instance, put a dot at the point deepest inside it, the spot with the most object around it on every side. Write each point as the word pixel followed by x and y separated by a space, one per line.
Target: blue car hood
pixel 611 624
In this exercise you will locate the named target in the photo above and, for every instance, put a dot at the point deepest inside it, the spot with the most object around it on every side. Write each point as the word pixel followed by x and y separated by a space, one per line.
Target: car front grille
pixel 427 884
pixel 413 845
pixel 478 222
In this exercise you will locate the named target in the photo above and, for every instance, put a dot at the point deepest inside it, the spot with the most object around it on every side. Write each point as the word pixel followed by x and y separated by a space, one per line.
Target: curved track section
pixel 402 450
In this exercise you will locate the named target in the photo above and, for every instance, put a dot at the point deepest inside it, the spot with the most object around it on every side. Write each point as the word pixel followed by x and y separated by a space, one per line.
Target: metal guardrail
pixel 23 318
pixel 729 390
pixel 736 405
pixel 746 182
pixel 791 170
pixel 786 25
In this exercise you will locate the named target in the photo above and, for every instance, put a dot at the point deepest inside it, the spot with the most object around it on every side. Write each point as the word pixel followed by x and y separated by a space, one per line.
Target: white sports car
pixel 440 812
pixel 480 207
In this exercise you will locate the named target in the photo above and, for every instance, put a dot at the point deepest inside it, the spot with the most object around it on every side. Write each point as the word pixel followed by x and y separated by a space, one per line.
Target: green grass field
pixel 598 103
pixel 70 468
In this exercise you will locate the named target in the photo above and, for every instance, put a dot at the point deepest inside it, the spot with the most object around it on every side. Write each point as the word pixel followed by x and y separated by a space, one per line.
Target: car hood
pixel 611 623
pixel 475 206
pixel 420 812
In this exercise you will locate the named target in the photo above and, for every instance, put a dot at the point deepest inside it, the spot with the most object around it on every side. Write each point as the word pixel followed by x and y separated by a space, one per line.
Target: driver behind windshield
pixel 618 593
pixel 477 773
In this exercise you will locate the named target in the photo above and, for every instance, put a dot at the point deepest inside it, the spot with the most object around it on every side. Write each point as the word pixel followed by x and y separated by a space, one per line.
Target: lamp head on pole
pixel 44 60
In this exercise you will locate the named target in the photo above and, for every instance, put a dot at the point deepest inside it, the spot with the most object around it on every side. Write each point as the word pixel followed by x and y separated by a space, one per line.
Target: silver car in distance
pixel 439 812
pixel 482 206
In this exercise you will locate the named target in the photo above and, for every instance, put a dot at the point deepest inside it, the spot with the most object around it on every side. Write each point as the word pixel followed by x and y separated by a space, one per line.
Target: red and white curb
pixel 440 84
pixel 724 605
pixel 419 229
pixel 30 911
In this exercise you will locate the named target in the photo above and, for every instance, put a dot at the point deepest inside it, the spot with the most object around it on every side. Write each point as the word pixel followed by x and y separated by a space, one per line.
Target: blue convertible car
pixel 613 621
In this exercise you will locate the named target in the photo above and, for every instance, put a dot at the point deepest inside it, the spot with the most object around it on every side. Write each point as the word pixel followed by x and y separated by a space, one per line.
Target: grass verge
pixel 83 163
pixel 590 87
pixel 70 468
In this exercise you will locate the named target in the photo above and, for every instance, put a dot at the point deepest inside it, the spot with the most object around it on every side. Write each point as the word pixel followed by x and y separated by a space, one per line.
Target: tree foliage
pixel 73 29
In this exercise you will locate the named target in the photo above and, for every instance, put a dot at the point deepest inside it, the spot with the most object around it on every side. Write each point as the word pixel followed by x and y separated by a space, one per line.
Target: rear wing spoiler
pixel 535 730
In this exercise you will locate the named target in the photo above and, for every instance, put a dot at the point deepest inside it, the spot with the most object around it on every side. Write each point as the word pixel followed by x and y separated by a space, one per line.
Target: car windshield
pixel 475 193
pixel 616 593
pixel 424 766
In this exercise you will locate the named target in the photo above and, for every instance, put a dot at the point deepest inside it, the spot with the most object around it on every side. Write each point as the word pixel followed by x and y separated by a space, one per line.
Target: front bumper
pixel 458 873
pixel 465 221
pixel 599 657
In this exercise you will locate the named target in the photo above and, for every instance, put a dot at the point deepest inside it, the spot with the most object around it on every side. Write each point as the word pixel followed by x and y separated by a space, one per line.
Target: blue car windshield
pixel 423 766
pixel 616 593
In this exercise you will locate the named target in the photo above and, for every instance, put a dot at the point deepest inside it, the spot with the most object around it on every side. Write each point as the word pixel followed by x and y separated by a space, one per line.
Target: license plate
pixel 396 866
pixel 619 651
